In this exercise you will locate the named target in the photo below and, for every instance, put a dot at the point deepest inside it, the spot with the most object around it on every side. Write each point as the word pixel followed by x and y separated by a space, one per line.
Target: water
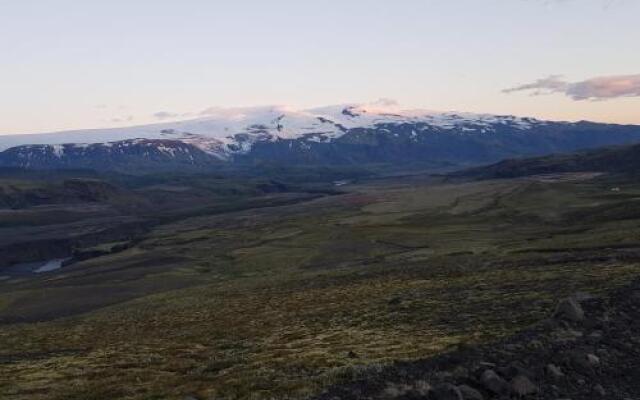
pixel 50 265
pixel 31 268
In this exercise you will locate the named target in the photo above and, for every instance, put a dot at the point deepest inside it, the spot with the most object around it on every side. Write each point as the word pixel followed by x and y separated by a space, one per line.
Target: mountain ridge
pixel 614 160
pixel 283 122
pixel 340 135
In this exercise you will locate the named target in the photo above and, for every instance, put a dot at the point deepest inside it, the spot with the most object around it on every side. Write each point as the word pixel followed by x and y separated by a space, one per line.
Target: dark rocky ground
pixel 589 349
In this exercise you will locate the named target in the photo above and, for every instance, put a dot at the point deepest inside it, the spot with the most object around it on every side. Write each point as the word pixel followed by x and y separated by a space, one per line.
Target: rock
pixel 582 297
pixel 635 296
pixel 583 362
pixel 514 369
pixel 460 372
pixel 512 347
pixel 599 390
pixel 487 364
pixel 443 376
pixel 446 392
pixel 494 383
pixel 421 388
pixel 469 393
pixel 575 334
pixel 593 360
pixel 554 371
pixel 535 345
pixel 522 386
pixel 393 391
pixel 395 301
pixel 596 335
pixel 570 309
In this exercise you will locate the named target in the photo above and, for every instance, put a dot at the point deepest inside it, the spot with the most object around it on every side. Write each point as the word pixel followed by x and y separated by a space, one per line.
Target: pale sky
pixel 69 64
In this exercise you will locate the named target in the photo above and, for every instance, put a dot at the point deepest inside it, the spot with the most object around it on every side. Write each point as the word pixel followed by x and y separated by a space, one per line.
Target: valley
pixel 259 295
pixel 295 200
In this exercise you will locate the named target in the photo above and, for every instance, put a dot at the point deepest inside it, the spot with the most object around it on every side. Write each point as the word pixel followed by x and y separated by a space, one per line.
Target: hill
pixel 615 160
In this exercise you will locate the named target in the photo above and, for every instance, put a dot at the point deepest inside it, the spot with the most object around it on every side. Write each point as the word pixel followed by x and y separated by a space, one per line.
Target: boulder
pixel 494 383
pixel 469 393
pixel 421 388
pixel 522 386
pixel 446 392
pixel 394 391
pixel 593 360
pixel 570 309
pixel 582 297
pixel 554 372
pixel 584 362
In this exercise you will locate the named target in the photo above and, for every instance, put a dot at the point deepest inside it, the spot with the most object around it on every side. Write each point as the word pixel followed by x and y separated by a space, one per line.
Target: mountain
pixel 125 155
pixel 616 160
pixel 335 135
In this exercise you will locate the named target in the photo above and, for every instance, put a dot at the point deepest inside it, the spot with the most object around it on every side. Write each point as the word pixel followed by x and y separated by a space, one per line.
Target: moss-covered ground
pixel 279 302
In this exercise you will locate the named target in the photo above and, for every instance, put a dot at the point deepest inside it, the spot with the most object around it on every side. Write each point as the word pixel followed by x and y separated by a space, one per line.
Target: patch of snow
pixel 58 150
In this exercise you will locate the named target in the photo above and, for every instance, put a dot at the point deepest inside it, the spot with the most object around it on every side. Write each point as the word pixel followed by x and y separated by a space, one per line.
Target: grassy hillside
pixel 51 214
pixel 282 301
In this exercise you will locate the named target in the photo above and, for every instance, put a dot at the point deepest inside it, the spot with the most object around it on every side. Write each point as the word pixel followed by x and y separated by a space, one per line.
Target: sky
pixel 68 64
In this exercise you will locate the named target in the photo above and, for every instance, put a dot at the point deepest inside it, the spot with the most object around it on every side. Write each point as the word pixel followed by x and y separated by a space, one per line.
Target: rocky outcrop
pixel 588 349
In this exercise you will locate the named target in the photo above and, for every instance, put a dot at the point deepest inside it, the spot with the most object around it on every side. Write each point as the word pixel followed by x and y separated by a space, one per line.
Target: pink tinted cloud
pixel 600 88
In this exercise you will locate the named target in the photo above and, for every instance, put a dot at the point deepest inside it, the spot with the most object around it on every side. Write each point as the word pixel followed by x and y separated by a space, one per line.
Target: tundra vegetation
pixel 255 289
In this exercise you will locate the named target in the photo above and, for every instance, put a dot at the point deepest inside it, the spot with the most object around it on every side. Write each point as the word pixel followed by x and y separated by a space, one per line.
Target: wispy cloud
pixel 210 111
pixel 165 115
pixel 599 88
pixel 162 115
pixel 127 118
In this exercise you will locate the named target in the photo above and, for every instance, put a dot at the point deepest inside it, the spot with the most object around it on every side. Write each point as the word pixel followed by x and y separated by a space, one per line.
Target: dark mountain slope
pixel 446 141
pixel 411 143
pixel 128 156
pixel 619 160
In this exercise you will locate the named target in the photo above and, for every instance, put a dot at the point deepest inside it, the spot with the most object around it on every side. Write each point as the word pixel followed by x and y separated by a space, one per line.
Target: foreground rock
pixel 570 309
pixel 588 349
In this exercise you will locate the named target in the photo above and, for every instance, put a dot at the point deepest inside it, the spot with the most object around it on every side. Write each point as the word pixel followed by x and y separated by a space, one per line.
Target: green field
pixel 282 300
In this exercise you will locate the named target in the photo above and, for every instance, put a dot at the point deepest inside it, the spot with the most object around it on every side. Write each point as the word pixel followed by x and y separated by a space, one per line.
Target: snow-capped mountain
pixel 344 134
pixel 125 155
pixel 224 132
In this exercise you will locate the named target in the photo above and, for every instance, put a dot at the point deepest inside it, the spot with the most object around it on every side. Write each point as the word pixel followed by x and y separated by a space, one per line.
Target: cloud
pixel 210 111
pixel 551 84
pixel 385 102
pixel 128 118
pixel 165 115
pixel 171 115
pixel 599 88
